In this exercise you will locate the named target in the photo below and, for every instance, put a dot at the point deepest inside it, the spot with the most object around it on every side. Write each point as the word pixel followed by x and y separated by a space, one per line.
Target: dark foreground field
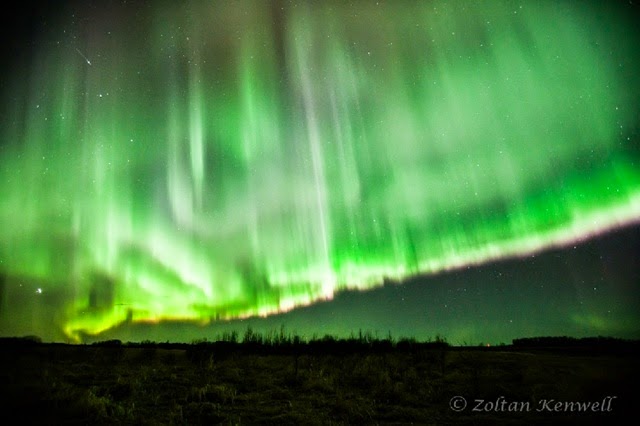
pixel 322 382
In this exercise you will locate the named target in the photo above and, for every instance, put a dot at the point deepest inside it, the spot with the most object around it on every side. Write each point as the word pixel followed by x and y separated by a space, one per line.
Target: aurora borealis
pixel 207 161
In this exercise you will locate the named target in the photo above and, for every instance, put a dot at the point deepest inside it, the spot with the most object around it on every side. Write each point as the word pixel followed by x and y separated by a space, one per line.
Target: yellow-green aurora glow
pixel 215 160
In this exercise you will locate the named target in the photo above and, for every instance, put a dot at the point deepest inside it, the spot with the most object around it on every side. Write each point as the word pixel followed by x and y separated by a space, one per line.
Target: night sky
pixel 469 169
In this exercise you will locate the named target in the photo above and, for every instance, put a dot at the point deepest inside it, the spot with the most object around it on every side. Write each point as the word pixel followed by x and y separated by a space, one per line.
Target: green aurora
pixel 220 160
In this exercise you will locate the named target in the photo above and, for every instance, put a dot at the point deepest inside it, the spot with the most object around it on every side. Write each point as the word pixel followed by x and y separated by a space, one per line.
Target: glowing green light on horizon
pixel 244 166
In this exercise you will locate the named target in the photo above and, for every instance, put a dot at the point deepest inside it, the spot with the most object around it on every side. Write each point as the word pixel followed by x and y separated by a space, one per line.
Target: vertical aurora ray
pixel 233 159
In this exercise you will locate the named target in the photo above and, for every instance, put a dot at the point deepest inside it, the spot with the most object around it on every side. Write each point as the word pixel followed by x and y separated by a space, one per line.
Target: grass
pixel 280 379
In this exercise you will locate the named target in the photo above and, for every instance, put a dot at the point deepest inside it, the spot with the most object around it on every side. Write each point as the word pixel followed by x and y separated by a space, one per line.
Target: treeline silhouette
pixel 281 342
pixel 573 342
pixel 270 342
pixel 274 342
